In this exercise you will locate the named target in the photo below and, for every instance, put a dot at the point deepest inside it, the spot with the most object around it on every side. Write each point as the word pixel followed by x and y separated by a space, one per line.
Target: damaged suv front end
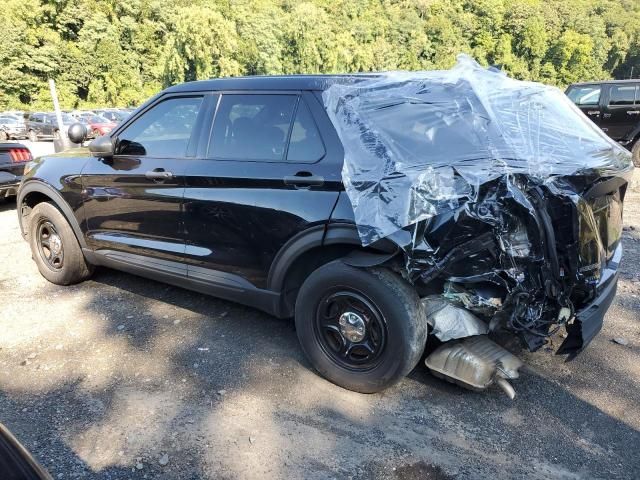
pixel 505 201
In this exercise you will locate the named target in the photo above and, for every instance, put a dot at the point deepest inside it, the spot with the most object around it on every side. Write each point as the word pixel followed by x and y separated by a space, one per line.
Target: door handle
pixel 304 180
pixel 593 112
pixel 159 174
pixel 633 112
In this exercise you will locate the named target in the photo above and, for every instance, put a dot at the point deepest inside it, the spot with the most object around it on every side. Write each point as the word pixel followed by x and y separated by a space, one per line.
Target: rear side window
pixel 305 144
pixel 585 95
pixel 164 131
pixel 252 127
pixel 622 94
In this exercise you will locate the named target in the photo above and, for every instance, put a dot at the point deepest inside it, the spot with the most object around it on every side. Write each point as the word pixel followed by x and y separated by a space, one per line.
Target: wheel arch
pixel 315 247
pixel 35 192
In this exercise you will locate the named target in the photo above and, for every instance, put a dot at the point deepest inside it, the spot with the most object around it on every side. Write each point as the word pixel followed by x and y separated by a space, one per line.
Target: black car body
pixel 13 158
pixel 234 188
pixel 614 106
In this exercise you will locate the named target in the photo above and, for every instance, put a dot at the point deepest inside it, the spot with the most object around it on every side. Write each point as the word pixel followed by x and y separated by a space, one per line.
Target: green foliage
pixel 120 52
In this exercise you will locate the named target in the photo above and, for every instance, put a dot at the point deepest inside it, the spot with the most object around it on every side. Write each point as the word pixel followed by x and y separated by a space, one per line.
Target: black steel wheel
pixel 361 328
pixel 54 246
pixel 50 246
pixel 350 329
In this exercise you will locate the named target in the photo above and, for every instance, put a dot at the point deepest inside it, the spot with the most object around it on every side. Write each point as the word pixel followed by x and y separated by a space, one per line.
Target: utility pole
pixel 56 106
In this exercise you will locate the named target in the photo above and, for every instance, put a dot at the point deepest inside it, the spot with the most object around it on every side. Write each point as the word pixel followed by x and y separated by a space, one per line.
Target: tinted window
pixel 163 131
pixel 305 144
pixel 252 127
pixel 622 94
pixel 587 95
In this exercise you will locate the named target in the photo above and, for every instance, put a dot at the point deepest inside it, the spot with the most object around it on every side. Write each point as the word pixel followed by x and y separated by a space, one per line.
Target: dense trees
pixel 120 52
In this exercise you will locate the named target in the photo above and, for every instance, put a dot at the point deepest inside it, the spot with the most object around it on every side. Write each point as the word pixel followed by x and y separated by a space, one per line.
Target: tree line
pixel 120 52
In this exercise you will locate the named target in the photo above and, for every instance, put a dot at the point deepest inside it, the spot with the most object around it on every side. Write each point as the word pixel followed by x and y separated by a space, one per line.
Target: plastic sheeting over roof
pixel 417 144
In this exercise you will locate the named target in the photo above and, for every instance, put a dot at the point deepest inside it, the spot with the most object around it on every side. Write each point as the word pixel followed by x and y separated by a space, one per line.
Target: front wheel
pixel 362 329
pixel 54 247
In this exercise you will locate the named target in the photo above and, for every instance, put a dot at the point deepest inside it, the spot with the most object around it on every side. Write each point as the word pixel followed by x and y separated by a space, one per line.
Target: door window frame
pixel 196 133
pixel 636 103
pixel 300 97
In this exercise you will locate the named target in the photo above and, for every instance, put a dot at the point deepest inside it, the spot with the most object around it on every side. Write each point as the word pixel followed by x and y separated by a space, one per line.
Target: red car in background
pixel 99 125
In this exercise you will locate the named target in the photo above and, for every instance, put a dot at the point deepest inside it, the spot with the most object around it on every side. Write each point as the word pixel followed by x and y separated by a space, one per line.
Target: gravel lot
pixel 122 377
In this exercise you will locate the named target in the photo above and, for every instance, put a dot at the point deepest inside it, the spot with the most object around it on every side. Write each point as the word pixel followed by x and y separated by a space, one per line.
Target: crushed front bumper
pixel 589 319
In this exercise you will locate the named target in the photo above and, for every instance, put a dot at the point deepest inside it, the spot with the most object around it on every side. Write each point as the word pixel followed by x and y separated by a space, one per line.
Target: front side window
pixel 163 131
pixel 252 127
pixel 622 94
pixel 587 95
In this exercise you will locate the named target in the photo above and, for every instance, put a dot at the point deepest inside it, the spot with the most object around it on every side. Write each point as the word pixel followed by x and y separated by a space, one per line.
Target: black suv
pixel 234 188
pixel 615 107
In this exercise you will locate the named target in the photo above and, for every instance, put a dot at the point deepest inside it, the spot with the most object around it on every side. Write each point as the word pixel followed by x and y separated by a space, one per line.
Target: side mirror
pixel 77 133
pixel 102 147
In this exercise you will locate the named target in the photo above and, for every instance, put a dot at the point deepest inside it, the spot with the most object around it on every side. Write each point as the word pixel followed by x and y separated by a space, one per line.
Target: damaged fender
pixel 504 199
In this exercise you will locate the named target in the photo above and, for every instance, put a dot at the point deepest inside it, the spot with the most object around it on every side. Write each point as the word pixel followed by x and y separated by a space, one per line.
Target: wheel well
pixel 302 267
pixel 29 201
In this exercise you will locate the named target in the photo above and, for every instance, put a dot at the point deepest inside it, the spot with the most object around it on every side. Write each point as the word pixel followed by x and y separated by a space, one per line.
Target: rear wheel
pixel 635 153
pixel 54 247
pixel 33 136
pixel 362 329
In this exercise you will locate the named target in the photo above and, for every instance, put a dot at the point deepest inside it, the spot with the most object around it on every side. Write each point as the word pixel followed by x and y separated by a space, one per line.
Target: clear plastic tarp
pixel 417 144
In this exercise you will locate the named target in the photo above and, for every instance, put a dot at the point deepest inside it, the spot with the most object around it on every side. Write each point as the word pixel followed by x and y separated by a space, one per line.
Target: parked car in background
pixel 614 106
pixel 99 125
pixel 12 128
pixel 113 114
pixel 41 125
pixel 13 158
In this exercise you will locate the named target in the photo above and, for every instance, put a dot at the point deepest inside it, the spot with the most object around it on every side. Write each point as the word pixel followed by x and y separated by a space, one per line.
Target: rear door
pixel 587 98
pixel 620 116
pixel 133 201
pixel 266 175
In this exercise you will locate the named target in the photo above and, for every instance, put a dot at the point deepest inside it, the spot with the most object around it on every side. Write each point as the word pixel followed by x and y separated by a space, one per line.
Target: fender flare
pixel 632 137
pixel 319 236
pixel 304 241
pixel 38 186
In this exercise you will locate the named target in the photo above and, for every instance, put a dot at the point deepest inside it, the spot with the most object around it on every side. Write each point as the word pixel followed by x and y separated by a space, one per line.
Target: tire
pixel 65 265
pixel 389 319
pixel 33 136
pixel 635 153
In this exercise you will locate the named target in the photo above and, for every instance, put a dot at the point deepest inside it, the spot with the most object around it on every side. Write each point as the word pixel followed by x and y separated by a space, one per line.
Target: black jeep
pixel 614 106
pixel 376 209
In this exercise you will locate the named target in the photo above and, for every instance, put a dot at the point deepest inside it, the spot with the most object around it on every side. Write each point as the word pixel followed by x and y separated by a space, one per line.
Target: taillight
pixel 19 155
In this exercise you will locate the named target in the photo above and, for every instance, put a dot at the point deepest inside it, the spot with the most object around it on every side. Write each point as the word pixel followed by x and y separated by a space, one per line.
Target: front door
pixel 266 176
pixel 133 200
pixel 622 113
